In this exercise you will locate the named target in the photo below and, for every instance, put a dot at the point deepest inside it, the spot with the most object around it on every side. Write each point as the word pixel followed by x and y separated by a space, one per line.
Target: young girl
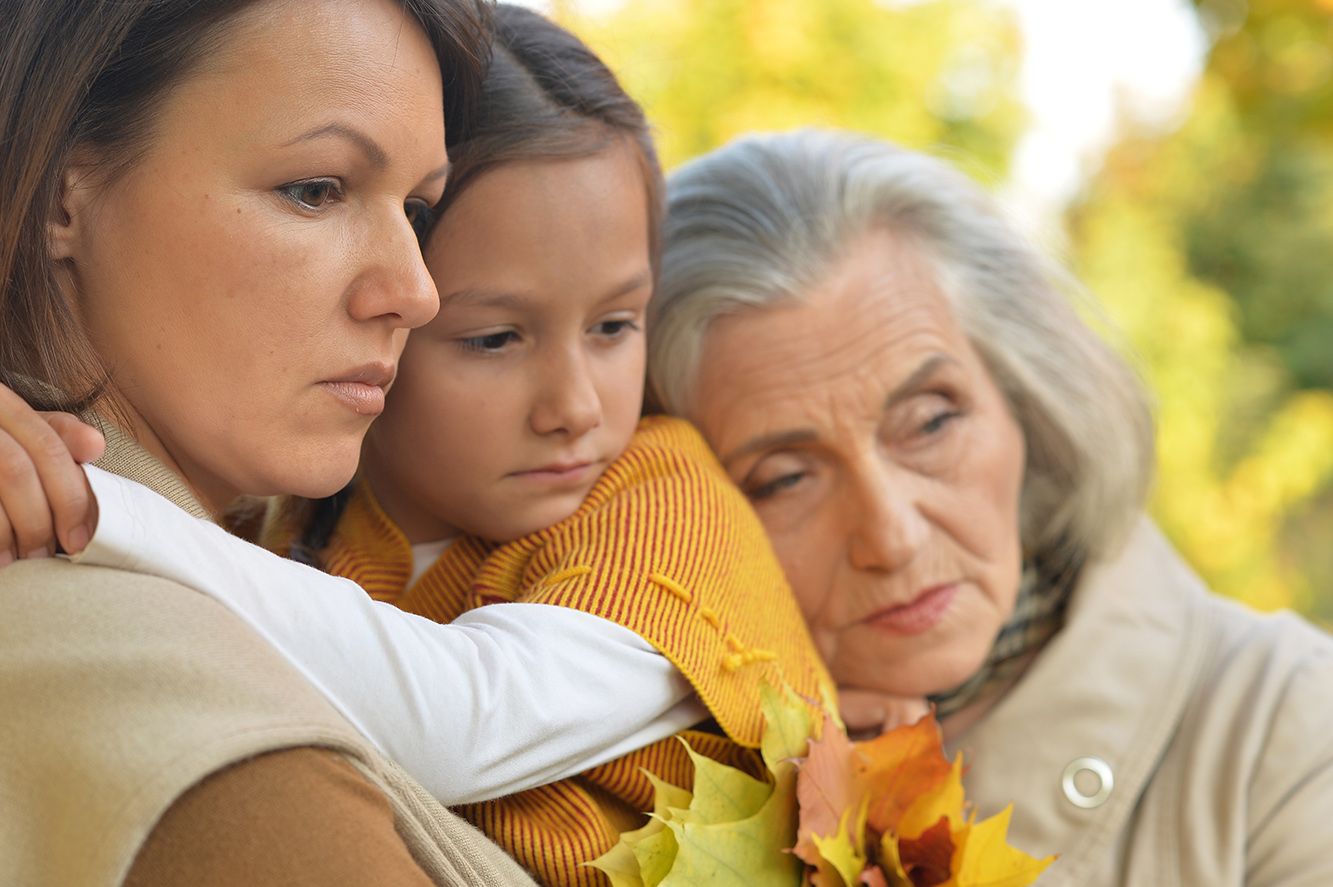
pixel 511 464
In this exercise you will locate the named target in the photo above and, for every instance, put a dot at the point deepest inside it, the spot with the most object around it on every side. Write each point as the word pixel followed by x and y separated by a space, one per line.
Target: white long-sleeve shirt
pixel 505 698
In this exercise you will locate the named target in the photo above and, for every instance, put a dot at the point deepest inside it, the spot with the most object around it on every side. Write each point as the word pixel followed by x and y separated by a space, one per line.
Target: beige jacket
pixel 1214 723
pixel 118 692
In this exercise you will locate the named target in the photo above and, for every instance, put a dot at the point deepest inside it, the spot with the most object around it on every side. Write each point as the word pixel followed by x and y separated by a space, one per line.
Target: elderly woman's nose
pixel 886 527
pixel 567 398
pixel 395 283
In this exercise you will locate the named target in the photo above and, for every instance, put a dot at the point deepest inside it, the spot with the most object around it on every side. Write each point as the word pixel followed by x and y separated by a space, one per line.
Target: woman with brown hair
pixel 209 239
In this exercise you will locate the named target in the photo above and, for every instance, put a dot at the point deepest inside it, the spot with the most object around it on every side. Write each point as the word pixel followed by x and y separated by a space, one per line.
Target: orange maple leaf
pixel 827 787
pixel 900 766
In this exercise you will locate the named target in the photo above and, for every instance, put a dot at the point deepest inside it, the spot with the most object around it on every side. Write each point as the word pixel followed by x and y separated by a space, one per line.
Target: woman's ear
pixel 69 220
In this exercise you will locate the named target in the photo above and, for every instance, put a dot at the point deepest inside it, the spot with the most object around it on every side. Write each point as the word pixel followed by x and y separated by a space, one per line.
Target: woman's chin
pixel 911 673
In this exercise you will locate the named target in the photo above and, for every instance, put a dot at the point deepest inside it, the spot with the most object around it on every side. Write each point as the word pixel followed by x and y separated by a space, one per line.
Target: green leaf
pixel 750 852
pixel 722 793
pixel 656 854
pixel 787 726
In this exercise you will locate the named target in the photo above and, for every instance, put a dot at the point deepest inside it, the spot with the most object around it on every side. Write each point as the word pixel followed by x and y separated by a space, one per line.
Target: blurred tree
pixel 937 75
pixel 1213 247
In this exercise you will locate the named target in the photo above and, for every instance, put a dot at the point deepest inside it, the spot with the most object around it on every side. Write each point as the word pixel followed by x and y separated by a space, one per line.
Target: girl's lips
pixel 558 475
pixel 918 615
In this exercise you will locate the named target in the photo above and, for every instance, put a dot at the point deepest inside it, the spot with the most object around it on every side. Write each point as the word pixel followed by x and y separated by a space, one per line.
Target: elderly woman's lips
pixel 918 615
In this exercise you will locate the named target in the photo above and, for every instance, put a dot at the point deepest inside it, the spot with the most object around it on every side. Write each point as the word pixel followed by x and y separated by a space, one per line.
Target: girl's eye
pixel 312 194
pixel 613 328
pixel 421 216
pixel 777 485
pixel 491 342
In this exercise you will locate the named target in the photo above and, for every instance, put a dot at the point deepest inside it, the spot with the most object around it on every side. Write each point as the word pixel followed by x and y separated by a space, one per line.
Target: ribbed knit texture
pixel 664 545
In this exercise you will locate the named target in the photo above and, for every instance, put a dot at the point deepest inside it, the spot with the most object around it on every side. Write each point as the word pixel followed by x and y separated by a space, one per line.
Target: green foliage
pixel 934 75
pixel 1212 246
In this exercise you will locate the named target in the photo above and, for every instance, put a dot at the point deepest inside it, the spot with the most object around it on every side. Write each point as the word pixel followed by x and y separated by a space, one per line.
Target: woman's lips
pixel 364 398
pixel 918 615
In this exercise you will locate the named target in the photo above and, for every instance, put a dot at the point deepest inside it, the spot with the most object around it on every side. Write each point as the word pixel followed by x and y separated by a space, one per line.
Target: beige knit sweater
pixel 119 692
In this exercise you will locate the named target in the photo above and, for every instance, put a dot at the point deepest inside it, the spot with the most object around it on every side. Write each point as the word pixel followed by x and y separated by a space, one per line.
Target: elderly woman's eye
pixel 312 194
pixel 936 423
pixel 776 485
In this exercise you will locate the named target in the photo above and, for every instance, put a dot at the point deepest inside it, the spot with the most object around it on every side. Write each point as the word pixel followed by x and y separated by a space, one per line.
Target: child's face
pixel 528 383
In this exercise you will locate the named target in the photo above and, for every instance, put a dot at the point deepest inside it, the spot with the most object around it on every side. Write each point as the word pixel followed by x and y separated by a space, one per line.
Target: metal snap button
pixel 1077 778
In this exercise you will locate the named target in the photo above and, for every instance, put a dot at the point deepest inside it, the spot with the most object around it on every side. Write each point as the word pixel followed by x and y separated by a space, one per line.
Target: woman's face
pixel 251 280
pixel 883 462
pixel 529 381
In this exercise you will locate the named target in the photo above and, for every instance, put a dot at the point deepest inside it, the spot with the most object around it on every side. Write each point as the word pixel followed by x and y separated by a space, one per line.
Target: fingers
pixel 27 528
pixel 84 442
pixel 44 495
pixel 868 713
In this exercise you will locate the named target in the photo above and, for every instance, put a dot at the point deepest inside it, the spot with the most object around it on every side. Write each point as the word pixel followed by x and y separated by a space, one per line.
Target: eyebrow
pixel 920 376
pixel 798 436
pixel 376 154
pixel 502 299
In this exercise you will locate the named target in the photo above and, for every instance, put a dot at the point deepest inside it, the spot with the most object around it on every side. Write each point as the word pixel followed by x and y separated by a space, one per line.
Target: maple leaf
pixel 928 858
pixel 642 857
pixel 787 726
pixel 900 766
pixel 984 858
pixel 945 798
pixel 722 793
pixel 845 850
pixel 741 853
pixel 827 788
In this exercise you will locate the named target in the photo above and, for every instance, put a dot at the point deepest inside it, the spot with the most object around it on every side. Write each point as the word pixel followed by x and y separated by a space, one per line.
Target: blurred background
pixel 1177 155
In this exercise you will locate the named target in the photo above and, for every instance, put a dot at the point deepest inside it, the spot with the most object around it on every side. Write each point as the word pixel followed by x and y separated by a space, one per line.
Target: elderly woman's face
pixel 883 462
pixel 250 281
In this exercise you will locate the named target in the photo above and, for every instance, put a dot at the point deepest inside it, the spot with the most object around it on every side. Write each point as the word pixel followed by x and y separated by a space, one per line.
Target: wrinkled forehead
pixel 871 322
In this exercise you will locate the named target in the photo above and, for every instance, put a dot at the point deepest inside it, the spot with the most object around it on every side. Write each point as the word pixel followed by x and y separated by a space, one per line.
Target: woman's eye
pixel 312 194
pixel 936 423
pixel 774 486
pixel 490 342
pixel 421 216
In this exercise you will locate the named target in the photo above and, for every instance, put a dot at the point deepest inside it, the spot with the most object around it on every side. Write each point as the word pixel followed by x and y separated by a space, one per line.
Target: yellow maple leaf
pixel 983 856
pixel 944 799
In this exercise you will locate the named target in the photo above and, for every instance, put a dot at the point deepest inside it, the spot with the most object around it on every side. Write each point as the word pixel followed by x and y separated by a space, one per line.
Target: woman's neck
pixel 213 494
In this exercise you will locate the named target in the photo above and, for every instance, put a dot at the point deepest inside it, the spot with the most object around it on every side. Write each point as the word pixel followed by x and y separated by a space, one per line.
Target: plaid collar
pixel 1039 612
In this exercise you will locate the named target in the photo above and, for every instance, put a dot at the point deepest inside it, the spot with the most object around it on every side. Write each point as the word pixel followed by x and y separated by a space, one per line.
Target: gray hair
pixel 764 219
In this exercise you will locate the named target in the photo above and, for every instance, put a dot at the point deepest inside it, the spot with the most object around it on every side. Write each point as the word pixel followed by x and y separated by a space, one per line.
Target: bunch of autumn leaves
pixel 832 813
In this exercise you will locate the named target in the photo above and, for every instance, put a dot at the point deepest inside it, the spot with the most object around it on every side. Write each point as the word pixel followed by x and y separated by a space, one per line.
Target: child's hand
pixel 44 495
pixel 868 714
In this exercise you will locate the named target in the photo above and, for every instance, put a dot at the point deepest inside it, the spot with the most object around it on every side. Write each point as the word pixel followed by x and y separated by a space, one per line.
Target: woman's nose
pixel 567 401
pixel 396 284
pixel 887 529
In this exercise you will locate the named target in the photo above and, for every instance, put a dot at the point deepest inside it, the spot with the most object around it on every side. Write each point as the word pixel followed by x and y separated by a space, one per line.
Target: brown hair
pixel 546 96
pixel 79 74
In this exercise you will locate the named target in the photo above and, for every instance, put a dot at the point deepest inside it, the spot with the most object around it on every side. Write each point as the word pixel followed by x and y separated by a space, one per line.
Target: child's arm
pixel 508 697
pixel 44 497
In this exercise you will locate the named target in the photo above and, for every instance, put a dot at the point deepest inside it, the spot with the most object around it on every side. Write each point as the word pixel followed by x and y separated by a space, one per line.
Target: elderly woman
pixel 952 466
